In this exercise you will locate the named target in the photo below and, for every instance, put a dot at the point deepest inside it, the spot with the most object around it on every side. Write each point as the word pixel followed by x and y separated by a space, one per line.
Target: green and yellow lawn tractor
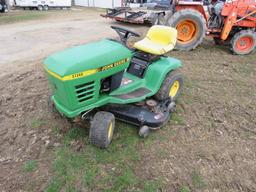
pixel 105 80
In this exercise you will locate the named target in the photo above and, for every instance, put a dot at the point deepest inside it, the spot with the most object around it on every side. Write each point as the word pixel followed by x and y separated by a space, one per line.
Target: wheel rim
pixel 187 31
pixel 110 131
pixel 174 89
pixel 244 43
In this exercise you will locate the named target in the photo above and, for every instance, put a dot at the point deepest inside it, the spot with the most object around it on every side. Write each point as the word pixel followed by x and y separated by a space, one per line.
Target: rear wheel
pixel 243 42
pixel 171 87
pixel 46 7
pixel 102 129
pixel 40 8
pixel 191 28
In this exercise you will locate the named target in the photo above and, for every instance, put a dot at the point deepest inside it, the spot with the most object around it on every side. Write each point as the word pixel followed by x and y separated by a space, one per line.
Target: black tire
pixel 46 7
pixel 100 128
pixel 2 8
pixel 248 34
pixel 217 41
pixel 198 21
pixel 40 8
pixel 164 91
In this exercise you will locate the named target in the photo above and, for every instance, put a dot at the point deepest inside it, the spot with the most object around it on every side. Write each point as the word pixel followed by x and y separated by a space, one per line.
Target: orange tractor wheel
pixel 191 28
pixel 243 42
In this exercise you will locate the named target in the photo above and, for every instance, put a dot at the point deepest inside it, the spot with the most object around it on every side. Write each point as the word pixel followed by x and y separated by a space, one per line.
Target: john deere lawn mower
pixel 105 80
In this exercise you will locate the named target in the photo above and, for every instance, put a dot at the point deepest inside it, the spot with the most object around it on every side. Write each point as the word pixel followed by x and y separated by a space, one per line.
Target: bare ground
pixel 213 148
pixel 212 143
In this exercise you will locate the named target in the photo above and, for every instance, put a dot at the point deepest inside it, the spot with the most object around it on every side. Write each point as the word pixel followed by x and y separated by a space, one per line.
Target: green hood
pixel 85 57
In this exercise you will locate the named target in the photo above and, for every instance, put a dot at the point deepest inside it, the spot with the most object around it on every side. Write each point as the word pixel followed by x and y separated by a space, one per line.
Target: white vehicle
pixel 3 6
pixel 43 4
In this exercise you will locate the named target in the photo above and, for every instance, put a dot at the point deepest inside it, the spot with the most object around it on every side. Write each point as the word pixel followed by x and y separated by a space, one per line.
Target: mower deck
pixel 141 114
pixel 134 87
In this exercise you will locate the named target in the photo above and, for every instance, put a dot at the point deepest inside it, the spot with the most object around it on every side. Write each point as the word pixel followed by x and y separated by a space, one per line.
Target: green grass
pixel 248 135
pixel 177 119
pixel 198 180
pixel 95 169
pixel 153 186
pixel 184 189
pixel 162 152
pixel 37 123
pixel 14 17
pixel 30 166
pixel 56 130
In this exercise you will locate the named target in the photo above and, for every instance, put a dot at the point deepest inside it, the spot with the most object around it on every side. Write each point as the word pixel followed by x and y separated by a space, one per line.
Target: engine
pixel 215 20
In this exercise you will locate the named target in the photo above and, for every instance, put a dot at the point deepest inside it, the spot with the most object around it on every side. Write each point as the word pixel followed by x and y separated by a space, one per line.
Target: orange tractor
pixel 232 22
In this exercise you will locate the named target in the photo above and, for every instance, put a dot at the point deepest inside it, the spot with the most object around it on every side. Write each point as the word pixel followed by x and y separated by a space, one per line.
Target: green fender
pixel 157 72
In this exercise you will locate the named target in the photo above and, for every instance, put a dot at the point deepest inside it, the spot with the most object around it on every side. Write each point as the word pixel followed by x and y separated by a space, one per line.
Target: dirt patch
pixel 25 131
pixel 213 147
pixel 33 40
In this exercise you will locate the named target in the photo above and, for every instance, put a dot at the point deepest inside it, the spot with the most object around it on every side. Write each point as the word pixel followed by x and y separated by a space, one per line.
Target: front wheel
pixel 217 40
pixel 102 129
pixel 243 42
pixel 144 131
pixel 171 87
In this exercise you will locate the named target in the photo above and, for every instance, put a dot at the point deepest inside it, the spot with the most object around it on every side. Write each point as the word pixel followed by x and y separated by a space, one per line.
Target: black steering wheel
pixel 124 33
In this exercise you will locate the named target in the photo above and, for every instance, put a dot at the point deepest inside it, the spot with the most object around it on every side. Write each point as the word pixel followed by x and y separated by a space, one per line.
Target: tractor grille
pixel 85 91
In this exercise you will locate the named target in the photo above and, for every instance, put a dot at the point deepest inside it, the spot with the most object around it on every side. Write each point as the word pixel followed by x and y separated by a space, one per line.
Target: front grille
pixel 85 91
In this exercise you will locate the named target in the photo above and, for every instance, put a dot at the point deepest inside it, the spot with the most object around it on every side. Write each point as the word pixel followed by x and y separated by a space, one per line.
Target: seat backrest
pixel 162 34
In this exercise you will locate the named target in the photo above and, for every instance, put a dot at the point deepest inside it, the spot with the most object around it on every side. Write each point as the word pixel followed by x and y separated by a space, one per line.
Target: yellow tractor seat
pixel 158 41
